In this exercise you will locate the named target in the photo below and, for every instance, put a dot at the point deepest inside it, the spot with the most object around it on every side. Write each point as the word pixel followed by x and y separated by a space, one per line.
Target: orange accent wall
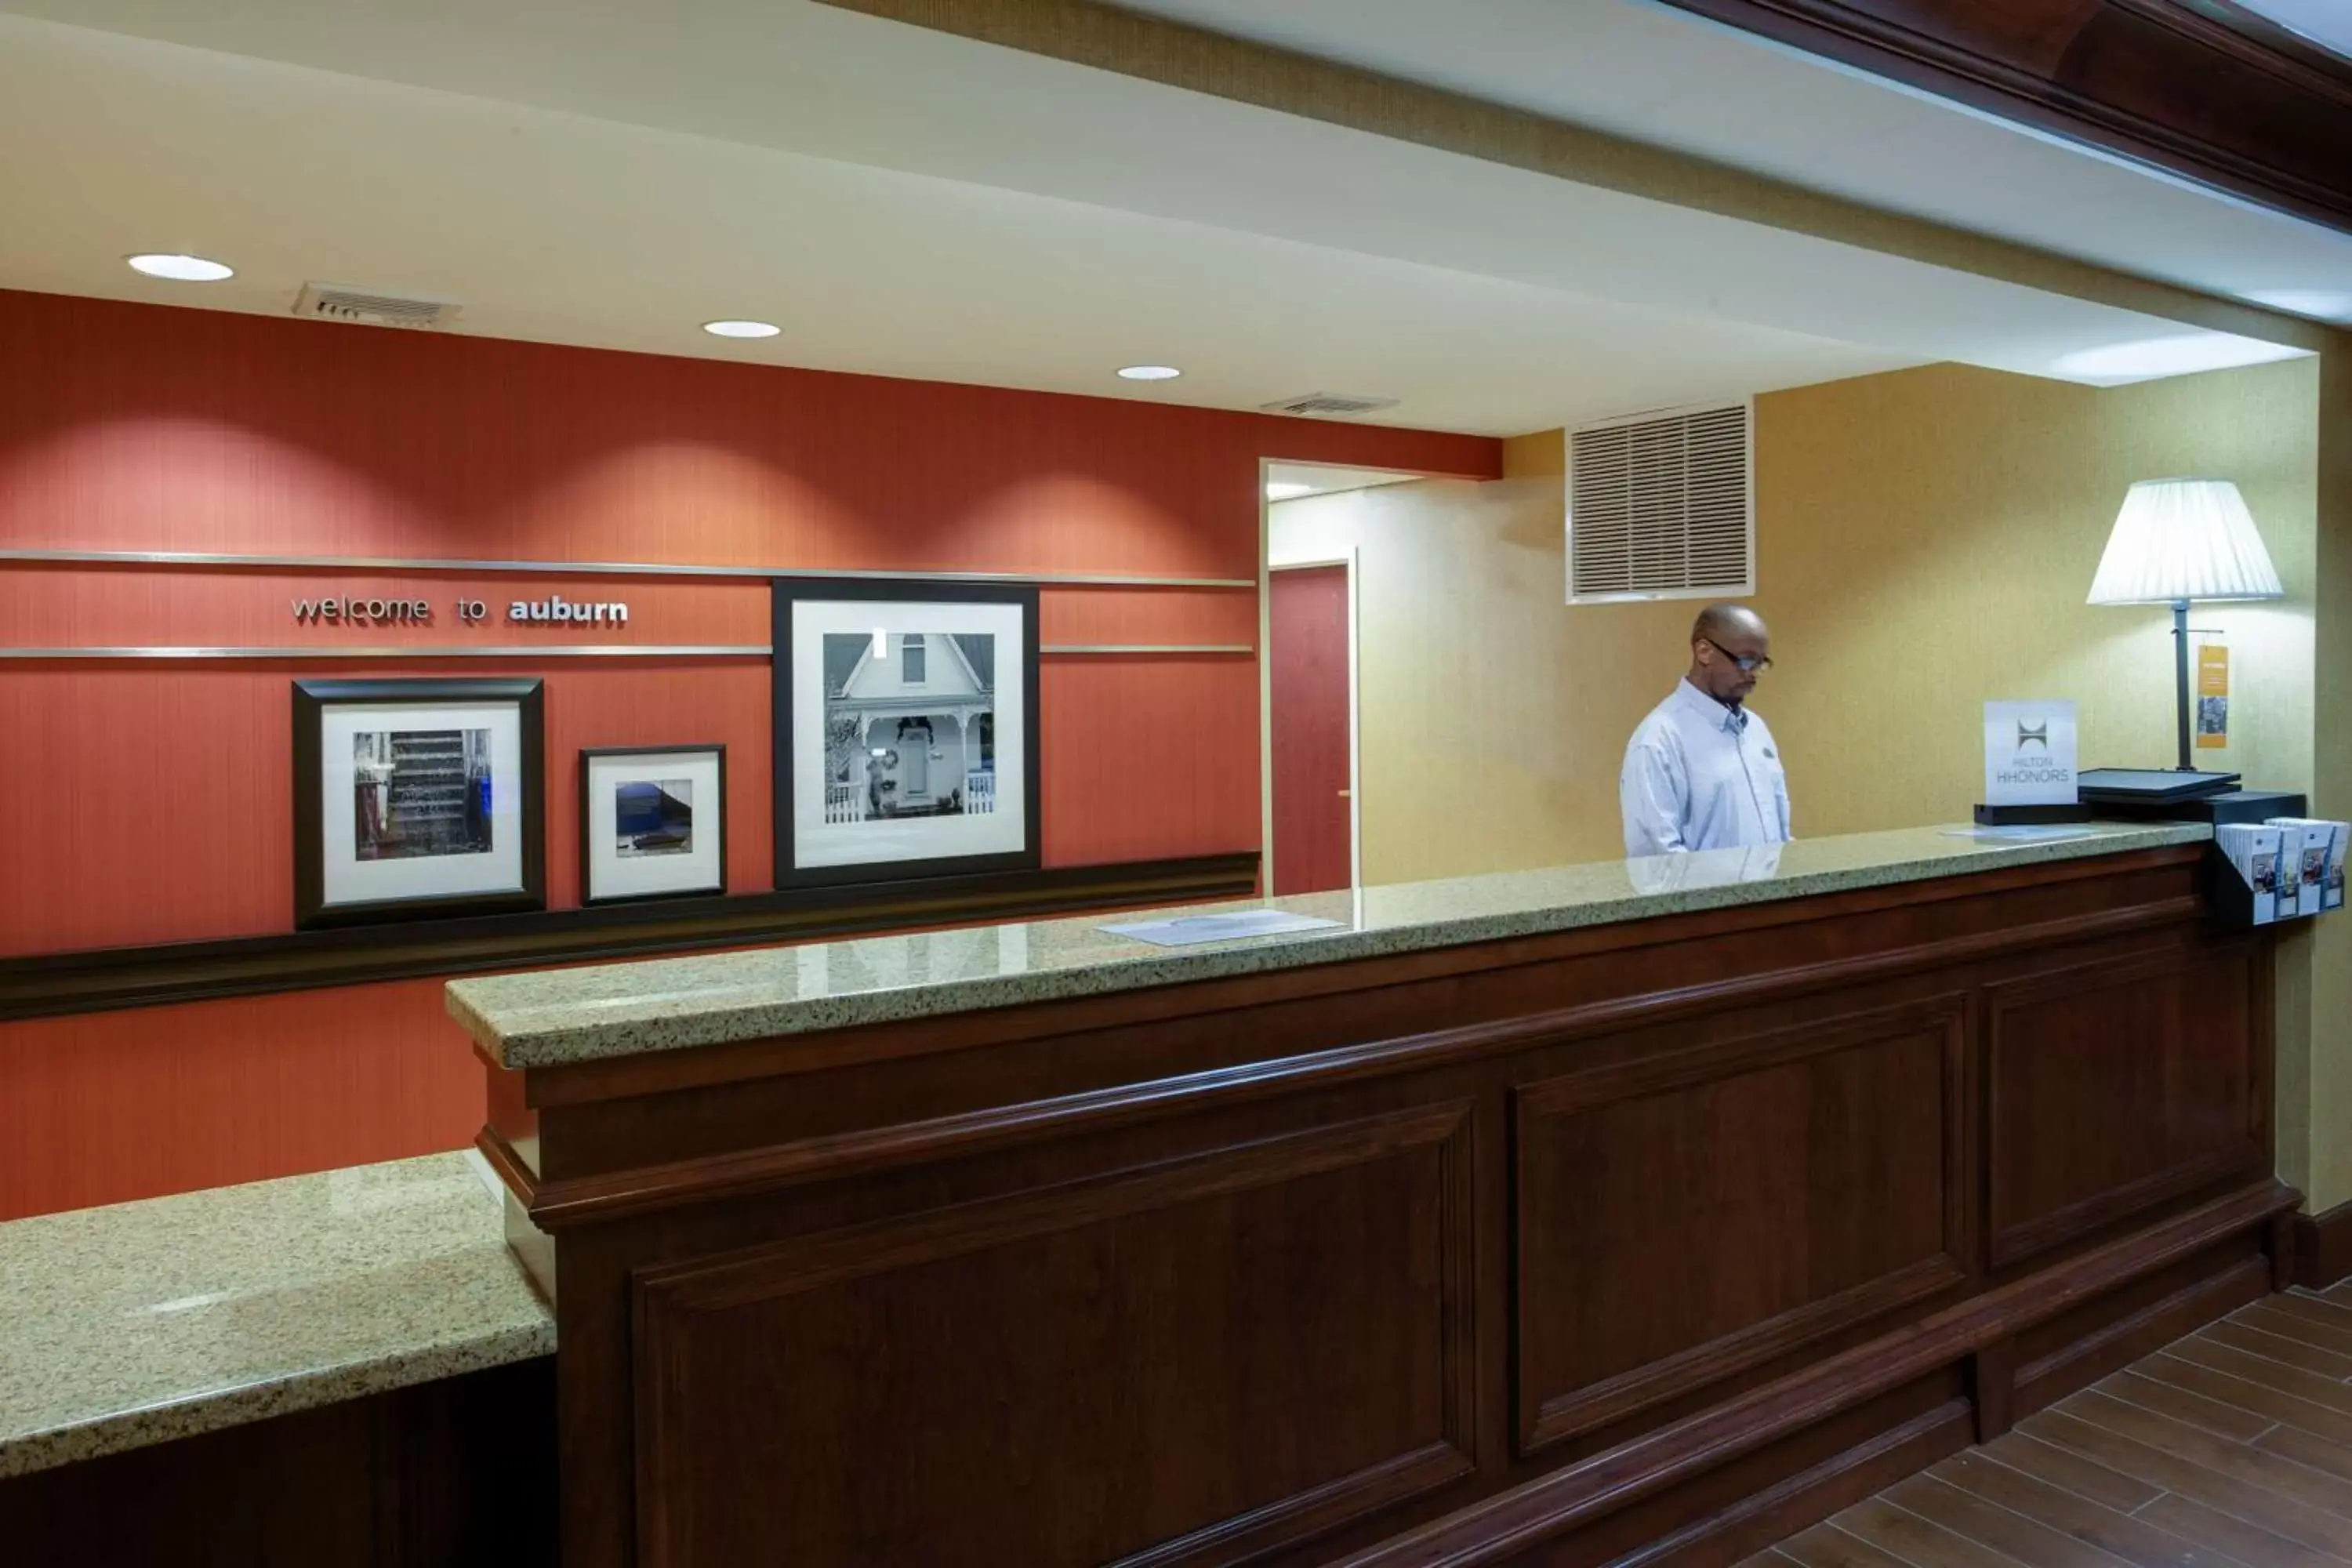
pixel 151 801
pixel 113 1105
pixel 56 605
pixel 130 427
pixel 1138 761
pixel 1223 618
pixel 163 798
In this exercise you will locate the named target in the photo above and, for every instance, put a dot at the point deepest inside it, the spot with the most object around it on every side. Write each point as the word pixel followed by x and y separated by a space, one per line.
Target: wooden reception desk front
pixel 1645 1208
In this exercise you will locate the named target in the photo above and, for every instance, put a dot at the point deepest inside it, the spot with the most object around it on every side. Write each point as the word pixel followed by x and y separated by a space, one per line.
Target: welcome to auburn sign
pixel 554 610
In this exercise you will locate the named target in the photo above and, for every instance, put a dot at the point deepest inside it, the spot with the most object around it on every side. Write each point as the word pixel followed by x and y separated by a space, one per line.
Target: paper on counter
pixel 1185 929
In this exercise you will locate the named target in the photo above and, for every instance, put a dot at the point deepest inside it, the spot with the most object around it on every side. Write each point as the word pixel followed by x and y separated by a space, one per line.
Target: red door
pixel 1308 660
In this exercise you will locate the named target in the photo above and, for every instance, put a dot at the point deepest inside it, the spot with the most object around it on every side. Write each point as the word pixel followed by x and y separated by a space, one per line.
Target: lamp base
pixel 2149 786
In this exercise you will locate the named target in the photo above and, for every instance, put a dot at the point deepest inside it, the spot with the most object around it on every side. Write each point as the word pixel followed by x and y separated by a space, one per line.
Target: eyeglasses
pixel 1749 663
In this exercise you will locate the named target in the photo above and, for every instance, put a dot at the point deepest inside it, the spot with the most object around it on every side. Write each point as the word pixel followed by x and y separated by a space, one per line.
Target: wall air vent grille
pixel 1329 405
pixel 1662 506
pixel 370 308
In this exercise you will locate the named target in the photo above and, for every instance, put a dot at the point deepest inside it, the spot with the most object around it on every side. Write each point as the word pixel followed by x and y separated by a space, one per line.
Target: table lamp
pixel 2176 540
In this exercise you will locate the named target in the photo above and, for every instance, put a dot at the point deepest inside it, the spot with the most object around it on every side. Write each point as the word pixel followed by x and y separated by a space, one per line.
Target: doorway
pixel 1311 704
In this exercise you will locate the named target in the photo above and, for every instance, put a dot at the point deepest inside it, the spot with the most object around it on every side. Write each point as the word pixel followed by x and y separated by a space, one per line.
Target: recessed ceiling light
pixel 180 268
pixel 1149 373
pixel 1288 489
pixel 2329 304
pixel 741 329
pixel 2184 353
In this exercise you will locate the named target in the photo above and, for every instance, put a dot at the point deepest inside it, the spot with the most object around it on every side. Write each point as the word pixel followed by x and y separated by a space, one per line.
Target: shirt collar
pixel 1718 715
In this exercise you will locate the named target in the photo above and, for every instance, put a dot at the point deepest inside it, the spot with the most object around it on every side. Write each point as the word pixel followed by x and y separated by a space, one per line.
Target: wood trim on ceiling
pixel 110 979
pixel 1174 53
pixel 2202 88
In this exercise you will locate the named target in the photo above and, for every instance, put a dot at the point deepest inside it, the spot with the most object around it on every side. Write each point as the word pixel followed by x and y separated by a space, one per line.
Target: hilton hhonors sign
pixel 2029 754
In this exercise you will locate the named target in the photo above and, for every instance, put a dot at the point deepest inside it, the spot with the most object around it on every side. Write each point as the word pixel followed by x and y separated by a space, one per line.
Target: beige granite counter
pixel 613 1010
pixel 140 1322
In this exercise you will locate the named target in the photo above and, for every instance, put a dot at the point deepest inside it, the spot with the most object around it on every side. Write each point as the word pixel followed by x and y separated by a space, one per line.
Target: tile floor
pixel 2231 1449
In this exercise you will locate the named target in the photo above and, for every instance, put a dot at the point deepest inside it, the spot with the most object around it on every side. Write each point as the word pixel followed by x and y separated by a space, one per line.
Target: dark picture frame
pixel 588 756
pixel 791 592
pixel 314 700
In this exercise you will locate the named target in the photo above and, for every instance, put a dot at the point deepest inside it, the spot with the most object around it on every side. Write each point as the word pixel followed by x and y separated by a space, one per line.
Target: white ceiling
pixel 1295 481
pixel 911 204
pixel 1654 74
pixel 2326 22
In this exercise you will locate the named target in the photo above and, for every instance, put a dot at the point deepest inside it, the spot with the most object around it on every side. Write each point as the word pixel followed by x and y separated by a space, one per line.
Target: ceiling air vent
pixel 1660 506
pixel 1329 406
pixel 367 307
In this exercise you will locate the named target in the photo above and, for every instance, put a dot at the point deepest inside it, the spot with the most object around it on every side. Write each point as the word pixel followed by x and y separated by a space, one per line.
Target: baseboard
pixel 1765 1519
pixel 2100 1295
pixel 2323 1248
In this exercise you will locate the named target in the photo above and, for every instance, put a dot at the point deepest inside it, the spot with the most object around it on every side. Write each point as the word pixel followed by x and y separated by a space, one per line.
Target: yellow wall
pixel 2314 1134
pixel 1925 541
pixel 1492 720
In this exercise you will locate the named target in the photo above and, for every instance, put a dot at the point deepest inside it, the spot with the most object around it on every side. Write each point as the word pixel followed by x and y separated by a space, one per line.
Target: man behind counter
pixel 1702 772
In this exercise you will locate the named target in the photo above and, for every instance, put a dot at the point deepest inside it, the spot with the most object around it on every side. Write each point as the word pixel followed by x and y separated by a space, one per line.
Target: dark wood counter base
pixel 445 1474
pixel 1653 1239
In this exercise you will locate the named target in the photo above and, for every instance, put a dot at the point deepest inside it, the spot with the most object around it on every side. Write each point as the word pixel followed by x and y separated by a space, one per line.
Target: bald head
pixel 1717 622
pixel 1722 638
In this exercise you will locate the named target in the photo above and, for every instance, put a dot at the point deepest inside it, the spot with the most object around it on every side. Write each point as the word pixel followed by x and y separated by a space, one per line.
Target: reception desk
pixel 1637 1208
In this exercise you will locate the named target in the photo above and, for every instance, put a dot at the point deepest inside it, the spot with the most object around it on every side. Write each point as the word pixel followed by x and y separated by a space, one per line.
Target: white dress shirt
pixel 1700 775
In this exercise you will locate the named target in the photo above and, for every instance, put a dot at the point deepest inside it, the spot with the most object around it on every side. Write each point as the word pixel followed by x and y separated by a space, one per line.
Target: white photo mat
pixel 1005 831
pixel 699 868
pixel 346 879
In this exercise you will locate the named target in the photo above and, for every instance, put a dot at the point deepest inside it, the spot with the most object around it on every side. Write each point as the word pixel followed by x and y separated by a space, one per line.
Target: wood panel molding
pixel 1573 1106
pixel 890 1270
pixel 2062 1047
pixel 104 979
pixel 2204 88
pixel 646 1189
pixel 1503 1528
pixel 2164 903
pixel 1566 1244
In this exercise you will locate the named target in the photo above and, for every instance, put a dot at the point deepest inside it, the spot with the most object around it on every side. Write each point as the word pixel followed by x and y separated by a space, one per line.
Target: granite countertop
pixel 555 1017
pixel 140 1322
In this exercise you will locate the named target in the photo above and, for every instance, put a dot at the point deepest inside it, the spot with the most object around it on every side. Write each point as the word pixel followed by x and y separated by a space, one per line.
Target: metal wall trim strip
pixel 1145 647
pixel 605 568
pixel 556 650
pixel 546 650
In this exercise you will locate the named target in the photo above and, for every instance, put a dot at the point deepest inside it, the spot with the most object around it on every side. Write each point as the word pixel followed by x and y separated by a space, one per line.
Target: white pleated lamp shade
pixel 2184 539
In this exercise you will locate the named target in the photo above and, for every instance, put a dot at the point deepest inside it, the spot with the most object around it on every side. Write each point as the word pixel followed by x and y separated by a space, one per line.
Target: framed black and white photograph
pixel 653 822
pixel 906 730
pixel 417 798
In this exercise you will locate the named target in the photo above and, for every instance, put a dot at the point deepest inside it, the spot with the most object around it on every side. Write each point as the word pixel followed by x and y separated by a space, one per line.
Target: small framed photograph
pixel 906 730
pixel 417 799
pixel 653 822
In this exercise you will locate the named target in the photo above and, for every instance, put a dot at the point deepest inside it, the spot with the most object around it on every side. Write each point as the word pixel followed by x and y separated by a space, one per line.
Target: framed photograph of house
pixel 414 799
pixel 906 730
pixel 653 822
